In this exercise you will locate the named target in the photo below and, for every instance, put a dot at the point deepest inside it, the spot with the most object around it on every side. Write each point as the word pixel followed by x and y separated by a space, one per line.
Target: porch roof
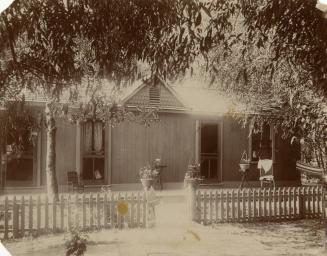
pixel 193 95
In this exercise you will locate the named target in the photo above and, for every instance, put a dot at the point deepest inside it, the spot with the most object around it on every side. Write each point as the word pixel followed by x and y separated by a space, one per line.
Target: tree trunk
pixel 52 185
pixel 3 165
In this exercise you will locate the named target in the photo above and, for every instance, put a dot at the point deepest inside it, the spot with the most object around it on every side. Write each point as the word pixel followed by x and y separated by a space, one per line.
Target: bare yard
pixel 176 237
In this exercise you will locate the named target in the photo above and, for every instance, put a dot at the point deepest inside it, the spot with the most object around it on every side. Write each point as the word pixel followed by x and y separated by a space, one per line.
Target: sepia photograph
pixel 163 127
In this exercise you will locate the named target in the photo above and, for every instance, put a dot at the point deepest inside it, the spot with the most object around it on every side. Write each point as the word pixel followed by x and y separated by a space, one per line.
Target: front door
pixel 209 151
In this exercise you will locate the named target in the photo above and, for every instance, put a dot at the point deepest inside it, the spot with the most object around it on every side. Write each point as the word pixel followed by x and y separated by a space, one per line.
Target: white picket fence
pixel 21 216
pixel 260 204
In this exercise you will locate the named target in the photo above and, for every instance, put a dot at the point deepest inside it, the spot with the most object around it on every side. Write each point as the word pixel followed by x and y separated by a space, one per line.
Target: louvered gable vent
pixel 154 95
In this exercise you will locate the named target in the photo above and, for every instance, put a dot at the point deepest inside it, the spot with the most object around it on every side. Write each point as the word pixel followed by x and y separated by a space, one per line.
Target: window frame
pixel 272 139
pixel 34 156
pixel 94 155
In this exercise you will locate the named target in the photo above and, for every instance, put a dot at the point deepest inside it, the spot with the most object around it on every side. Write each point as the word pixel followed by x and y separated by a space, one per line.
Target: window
pixel 93 150
pixel 20 160
pixel 261 143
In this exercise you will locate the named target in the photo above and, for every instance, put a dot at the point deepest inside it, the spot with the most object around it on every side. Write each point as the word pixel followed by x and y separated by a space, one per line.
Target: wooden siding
pixel 65 150
pixel 133 146
pixel 173 139
pixel 287 155
pixel 235 141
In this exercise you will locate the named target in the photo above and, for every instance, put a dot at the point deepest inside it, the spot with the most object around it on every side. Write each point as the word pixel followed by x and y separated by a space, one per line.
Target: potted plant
pixel 192 174
pixel 244 162
pixel 147 176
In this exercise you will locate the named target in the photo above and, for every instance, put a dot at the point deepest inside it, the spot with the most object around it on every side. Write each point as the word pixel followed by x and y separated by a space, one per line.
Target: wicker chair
pixel 266 169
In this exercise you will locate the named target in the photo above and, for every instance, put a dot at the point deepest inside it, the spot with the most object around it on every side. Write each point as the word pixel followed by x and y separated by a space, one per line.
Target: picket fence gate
pixel 260 204
pixel 20 216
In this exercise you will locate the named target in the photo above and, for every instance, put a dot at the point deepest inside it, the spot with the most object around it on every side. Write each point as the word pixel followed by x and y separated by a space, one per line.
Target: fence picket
pixel 54 214
pixel 98 207
pixel 46 214
pixel 264 203
pixel 243 205
pixel 259 205
pixel 279 203
pixel 6 219
pixel 323 203
pixel 238 205
pixel 307 202
pixel 62 216
pixel 284 204
pixel 145 213
pixel 22 216
pixel 131 207
pixel 83 212
pixel 289 198
pixel 295 202
pixel 38 214
pixel 105 211
pixel 68 213
pixel 76 212
pixel 216 205
pixel 30 215
pixel 233 205
pixel 275 200
pixel 112 211
pixel 210 206
pixel 269 203
pixel 126 216
pixel 227 206
pixel 254 204
pixel 222 212
pixel 205 207
pixel 91 211
pixel 15 218
pixel 319 200
pixel 249 204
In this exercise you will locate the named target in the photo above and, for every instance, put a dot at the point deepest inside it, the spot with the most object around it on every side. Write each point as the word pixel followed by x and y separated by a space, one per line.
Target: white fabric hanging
pixel 87 137
pixel 265 164
pixel 98 131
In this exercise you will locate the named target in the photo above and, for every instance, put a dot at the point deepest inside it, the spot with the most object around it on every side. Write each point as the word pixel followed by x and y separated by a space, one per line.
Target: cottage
pixel 193 124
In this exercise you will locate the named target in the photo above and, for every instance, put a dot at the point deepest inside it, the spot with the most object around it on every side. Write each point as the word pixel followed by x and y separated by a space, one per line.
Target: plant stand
pixel 191 185
pixel 147 183
pixel 244 179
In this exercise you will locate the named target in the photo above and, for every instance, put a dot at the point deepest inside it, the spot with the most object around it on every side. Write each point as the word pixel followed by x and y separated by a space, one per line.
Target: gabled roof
pixel 153 92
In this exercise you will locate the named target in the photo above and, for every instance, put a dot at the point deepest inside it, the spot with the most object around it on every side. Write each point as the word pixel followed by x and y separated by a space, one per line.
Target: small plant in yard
pixel 76 243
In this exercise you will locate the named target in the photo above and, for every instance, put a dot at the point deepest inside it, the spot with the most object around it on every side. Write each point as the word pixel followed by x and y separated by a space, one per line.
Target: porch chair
pixel 73 183
pixel 266 169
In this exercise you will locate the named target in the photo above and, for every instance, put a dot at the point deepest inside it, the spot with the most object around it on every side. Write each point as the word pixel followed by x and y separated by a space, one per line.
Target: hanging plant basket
pixel 245 162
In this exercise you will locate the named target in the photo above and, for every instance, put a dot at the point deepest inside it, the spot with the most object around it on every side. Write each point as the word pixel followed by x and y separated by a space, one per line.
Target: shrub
pixel 76 243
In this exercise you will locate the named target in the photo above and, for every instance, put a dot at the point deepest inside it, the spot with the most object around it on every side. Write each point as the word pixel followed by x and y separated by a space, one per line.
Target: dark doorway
pixel 209 153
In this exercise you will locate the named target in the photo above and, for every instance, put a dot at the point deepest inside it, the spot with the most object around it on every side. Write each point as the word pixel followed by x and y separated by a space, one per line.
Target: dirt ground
pixel 175 236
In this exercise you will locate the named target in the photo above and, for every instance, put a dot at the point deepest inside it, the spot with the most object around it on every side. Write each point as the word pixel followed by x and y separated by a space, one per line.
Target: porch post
pixel 197 141
pixel 38 159
pixel 78 149
pixel 324 213
pixel 3 166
